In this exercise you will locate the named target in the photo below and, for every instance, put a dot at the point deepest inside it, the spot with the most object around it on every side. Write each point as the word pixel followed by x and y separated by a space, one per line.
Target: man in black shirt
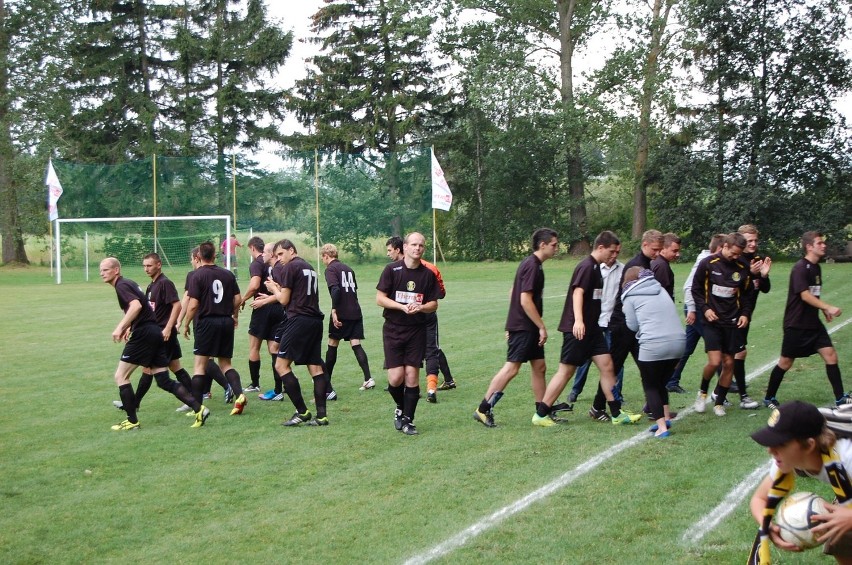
pixel 406 290
pixel 301 340
pixel 145 344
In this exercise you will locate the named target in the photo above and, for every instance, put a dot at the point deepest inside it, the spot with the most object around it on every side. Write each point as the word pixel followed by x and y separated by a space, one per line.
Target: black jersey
pixel 799 314
pixel 187 279
pixel 405 286
pixel 215 288
pixel 344 290
pixel 663 273
pixel 587 275
pixel 161 295
pixel 725 287
pixel 301 279
pixel 257 268
pixel 528 278
pixel 128 291
pixel 617 317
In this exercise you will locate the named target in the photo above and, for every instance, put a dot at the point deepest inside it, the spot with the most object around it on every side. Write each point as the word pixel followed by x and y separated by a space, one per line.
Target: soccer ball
pixel 793 517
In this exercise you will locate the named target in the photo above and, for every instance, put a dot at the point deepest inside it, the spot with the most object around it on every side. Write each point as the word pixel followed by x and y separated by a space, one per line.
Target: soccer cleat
pixel 239 405
pixel 544 422
pixel 318 422
pixel 126 426
pixel 625 418
pixel 331 395
pixel 207 396
pixel 268 395
pixel 746 403
pixel 719 410
pixel 700 402
pixel 252 388
pixel 655 427
pixel 599 415
pixel 229 395
pixel 184 408
pixel 572 398
pixel 843 400
pixel 486 419
pixel 771 403
pixel 447 385
pixel 408 427
pixel 297 419
pixel 432 397
pixel 663 435
pixel 677 389
pixel 562 407
pixel 368 384
pixel 397 419
pixel 201 417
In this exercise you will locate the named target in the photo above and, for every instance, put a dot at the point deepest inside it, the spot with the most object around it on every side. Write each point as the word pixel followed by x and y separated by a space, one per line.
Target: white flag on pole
pixel 54 191
pixel 442 197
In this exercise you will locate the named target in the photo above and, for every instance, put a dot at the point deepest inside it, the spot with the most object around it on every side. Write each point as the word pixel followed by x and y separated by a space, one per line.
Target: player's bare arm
pixel 122 330
pixel 528 304
pixel 173 320
pixel 579 329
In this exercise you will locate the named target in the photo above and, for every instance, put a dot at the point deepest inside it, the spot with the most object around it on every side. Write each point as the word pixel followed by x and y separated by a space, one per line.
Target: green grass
pixel 244 489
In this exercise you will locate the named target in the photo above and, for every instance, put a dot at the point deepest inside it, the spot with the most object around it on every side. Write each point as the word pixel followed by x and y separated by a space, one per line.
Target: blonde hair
pixel 330 250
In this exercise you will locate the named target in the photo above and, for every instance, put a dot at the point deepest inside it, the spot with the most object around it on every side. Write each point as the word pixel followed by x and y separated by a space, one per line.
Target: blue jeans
pixel 694 333
pixel 583 372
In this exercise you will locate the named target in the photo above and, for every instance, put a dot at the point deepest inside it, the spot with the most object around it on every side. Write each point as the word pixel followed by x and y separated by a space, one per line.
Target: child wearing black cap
pixel 801 444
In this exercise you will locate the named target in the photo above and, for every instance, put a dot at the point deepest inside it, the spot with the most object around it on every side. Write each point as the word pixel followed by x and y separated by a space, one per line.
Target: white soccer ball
pixel 794 518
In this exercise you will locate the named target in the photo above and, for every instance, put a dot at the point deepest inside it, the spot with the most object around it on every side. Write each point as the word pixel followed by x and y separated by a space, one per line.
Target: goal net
pixel 84 242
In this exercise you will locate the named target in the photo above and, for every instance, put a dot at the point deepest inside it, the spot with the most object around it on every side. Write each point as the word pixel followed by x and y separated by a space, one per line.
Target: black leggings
pixel 655 375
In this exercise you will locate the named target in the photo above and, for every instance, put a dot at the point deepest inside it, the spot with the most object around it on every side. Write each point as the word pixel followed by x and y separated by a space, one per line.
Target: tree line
pixel 703 114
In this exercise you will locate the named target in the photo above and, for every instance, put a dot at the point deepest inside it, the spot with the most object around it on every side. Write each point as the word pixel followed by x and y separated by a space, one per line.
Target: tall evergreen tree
pixel 374 86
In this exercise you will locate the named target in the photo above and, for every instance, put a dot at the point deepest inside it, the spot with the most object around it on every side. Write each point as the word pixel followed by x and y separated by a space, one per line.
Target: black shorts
pixel 146 347
pixel 727 339
pixel 302 340
pixel 351 329
pixel 804 343
pixel 577 351
pixel 265 321
pixel 523 346
pixel 173 346
pixel 214 336
pixel 403 345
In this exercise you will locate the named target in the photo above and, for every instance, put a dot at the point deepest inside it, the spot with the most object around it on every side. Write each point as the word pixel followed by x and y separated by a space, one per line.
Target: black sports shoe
pixel 297 419
pixel 408 428
pixel 318 422
pixel 486 419
pixel 432 397
pixel 562 407
pixel 447 385
pixel 599 415
pixel 397 419
pixel 572 398
pixel 677 389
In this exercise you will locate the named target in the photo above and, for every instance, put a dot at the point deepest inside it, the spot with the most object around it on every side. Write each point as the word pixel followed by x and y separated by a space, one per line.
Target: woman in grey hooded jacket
pixel 651 313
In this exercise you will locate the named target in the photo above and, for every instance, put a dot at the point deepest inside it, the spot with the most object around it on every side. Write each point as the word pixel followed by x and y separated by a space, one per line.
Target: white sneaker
pixel 700 402
pixel 368 384
pixel 746 403
pixel 184 408
pixel 719 410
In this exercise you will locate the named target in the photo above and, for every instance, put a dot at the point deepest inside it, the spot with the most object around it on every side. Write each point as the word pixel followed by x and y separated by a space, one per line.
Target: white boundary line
pixel 700 529
pixel 733 499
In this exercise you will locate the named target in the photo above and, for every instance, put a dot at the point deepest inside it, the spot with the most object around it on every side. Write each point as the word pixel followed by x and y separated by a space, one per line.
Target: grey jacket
pixel 651 313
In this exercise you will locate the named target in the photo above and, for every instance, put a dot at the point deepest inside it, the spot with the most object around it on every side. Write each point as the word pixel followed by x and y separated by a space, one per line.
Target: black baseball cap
pixel 791 420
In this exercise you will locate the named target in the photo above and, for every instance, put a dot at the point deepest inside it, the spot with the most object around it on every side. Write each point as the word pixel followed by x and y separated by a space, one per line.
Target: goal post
pixel 83 242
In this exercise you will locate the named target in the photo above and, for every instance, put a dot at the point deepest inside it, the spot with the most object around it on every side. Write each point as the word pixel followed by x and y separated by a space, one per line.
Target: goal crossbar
pixel 59 221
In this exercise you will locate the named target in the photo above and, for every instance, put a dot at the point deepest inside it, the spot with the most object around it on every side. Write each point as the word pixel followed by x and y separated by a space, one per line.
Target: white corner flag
pixel 54 191
pixel 442 197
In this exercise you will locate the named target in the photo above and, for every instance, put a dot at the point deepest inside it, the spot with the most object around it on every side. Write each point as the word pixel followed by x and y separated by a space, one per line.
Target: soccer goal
pixel 81 243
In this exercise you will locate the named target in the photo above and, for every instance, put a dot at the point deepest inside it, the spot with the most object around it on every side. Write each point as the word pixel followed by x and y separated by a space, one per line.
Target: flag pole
pixel 316 199
pixel 434 238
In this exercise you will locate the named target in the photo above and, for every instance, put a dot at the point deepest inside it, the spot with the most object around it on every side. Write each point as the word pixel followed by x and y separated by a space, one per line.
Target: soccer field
pixel 245 489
